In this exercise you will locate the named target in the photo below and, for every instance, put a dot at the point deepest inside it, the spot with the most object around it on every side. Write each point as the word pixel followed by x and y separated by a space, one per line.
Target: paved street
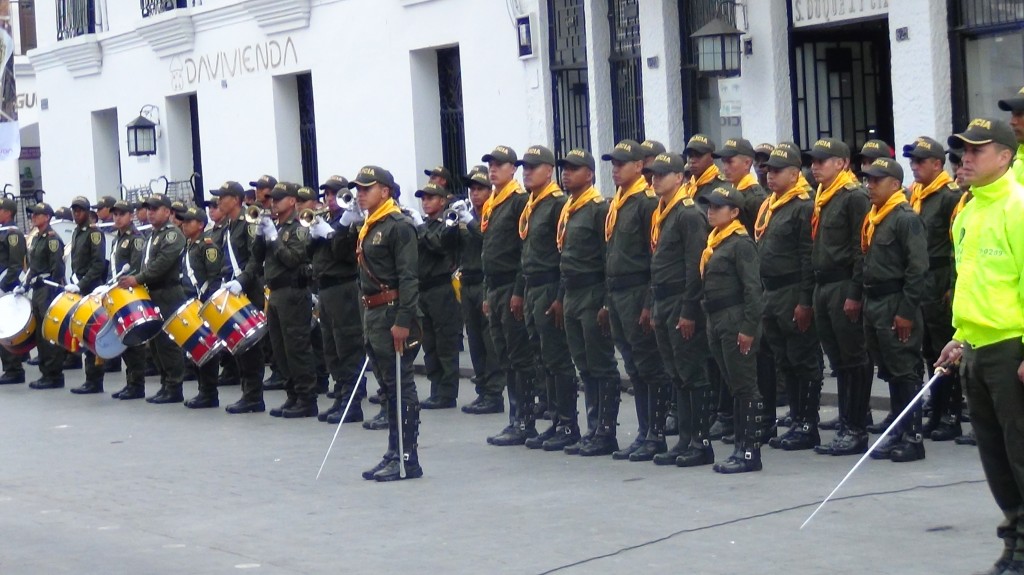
pixel 93 485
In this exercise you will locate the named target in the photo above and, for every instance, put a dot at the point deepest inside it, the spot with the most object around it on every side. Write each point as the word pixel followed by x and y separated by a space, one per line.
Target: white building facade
pixel 303 89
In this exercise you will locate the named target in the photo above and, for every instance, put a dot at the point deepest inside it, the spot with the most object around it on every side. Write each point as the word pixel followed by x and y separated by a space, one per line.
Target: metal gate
pixel 307 130
pixel 453 125
pixel 627 77
pixel 570 91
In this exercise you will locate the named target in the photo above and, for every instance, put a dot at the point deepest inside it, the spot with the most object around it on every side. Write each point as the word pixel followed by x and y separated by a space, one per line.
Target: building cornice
pixel 169 33
pixel 277 16
pixel 82 56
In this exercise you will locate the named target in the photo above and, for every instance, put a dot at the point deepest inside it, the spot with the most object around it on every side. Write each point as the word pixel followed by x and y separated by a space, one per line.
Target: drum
pixel 234 320
pixel 57 323
pixel 136 319
pixel 193 335
pixel 87 319
pixel 18 330
pixel 108 345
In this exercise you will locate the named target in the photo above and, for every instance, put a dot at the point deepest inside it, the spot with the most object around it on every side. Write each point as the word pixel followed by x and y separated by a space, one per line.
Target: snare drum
pixel 108 345
pixel 187 329
pixel 57 323
pixel 18 330
pixel 234 320
pixel 135 317
pixel 87 319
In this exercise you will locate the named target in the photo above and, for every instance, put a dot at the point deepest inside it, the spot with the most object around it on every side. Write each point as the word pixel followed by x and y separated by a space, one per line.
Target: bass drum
pixel 18 330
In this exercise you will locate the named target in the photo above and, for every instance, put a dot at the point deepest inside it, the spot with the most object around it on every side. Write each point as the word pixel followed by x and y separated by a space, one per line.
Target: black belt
pixel 825 277
pixel 471 278
pixel 332 281
pixel 778 282
pixel 939 263
pixel 500 279
pixel 436 281
pixel 583 280
pixel 662 291
pixel 286 281
pixel 719 303
pixel 541 278
pixel 627 281
pixel 884 288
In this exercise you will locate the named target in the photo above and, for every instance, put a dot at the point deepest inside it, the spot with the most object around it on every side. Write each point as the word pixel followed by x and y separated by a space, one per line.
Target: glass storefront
pixel 987 53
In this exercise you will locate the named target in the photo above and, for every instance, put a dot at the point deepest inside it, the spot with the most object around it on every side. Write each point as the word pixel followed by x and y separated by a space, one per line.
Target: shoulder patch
pixel 139 243
pixel 650 193
pixel 301 233
pixel 212 254
pixel 953 186
pixel 51 234
pixel 12 239
pixel 804 196
pixel 557 194
pixel 285 235
pixel 721 177
pixel 208 241
pixel 688 202
pixel 852 186
pixel 95 238
pixel 251 230
pixel 171 236
pixel 124 243
pixel 54 245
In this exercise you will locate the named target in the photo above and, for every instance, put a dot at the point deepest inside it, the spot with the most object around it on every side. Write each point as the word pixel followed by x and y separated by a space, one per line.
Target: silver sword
pixel 355 389
pixel 939 372
pixel 398 412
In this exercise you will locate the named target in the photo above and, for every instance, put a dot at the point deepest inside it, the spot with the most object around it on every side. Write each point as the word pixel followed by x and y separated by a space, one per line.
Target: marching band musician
pixel 202 262
pixel 309 199
pixel 88 270
pixel 12 260
pixel 45 262
pixel 129 246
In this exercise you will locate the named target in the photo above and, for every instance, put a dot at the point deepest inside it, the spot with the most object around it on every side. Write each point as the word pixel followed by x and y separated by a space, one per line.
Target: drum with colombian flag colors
pixel 193 335
pixel 57 323
pixel 87 319
pixel 234 319
pixel 18 330
pixel 137 319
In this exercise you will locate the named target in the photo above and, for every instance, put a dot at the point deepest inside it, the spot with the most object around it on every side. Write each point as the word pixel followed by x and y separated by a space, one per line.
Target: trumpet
pixel 308 216
pixel 450 215
pixel 254 213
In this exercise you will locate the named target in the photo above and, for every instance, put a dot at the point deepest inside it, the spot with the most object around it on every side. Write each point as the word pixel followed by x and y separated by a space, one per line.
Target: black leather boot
pixel 682 408
pixel 749 422
pixel 654 443
pixel 304 407
pixel 56 382
pixel 379 421
pixel 246 405
pixel 390 455
pixel 604 441
pixel 672 414
pixel 911 445
pixel 12 377
pixel 203 400
pixel 700 452
pixel 537 441
pixel 88 387
pixel 409 428
pixel 527 427
pixel 167 395
pixel 723 426
pixel 485 404
pixel 288 404
pixel 805 433
pixel 948 427
pixel 338 405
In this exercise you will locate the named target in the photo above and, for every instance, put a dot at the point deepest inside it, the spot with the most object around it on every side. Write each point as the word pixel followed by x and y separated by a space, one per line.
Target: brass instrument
pixel 254 213
pixel 346 199
pixel 450 215
pixel 308 216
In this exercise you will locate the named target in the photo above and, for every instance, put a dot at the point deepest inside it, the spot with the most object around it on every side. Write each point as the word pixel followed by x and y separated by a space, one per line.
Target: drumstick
pixel 52 284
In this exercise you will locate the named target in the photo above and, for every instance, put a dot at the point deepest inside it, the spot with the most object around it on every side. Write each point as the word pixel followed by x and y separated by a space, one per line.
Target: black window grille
pixel 307 130
pixel 571 93
pixel 626 70
pixel 75 18
pixel 978 15
pixel 693 15
pixel 453 125
pixel 153 7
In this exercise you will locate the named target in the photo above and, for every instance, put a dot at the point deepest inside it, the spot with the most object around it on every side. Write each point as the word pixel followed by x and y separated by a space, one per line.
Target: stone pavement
pixel 94 485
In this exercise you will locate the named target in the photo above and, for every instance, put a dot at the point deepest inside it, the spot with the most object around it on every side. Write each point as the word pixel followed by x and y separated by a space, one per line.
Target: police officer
pixel 440 177
pixel 88 270
pixel 783 235
pixel 679 232
pixel 261 193
pixel 895 263
pixel 762 153
pixel 237 250
pixel 934 196
pixel 128 249
pixel 388 264
pixel 1015 106
pixel 12 258
pixel 839 209
pixel 202 263
pixel 333 255
pixel 45 262
pixel 102 209
pixel 502 263
pixel 488 377
pixel 871 151
pixel 161 275
pixel 732 300
pixel 309 199
pixel 438 239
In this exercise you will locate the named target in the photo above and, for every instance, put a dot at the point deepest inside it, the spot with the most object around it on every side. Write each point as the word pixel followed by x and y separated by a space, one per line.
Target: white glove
pixel 459 206
pixel 466 217
pixel 72 288
pixel 415 216
pixel 234 287
pixel 101 289
pixel 348 205
pixel 320 229
pixel 351 217
pixel 267 229
pixel 20 290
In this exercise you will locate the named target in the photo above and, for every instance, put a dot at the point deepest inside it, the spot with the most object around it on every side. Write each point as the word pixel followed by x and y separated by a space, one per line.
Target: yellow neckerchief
pixel 709 175
pixel 802 183
pixel 747 181
pixel 620 198
pixel 919 192
pixel 772 203
pixel 663 209
pixel 384 210
pixel 964 198
pixel 716 237
pixel 495 200
pixel 570 208
pixel 524 218
pixel 875 217
pixel 825 196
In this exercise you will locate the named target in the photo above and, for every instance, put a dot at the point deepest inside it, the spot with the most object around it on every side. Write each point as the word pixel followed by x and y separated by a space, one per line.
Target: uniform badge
pixel 284 236
pixel 156 240
pixel 211 254
pixel 95 238
pixel 251 229
pixel 378 238
pixel 124 244
pixel 54 245
pixel 139 243
pixel 12 239
pixel 301 233
pixel 171 236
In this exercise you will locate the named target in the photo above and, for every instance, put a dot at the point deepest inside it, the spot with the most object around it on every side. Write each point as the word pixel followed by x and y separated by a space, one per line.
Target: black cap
pixel 178 206
pixel 784 156
pixel 1014 104
pixel 724 194
pixel 140 203
pixel 8 204
pixel 536 156
pixel 63 214
pixel 250 193
pixel 335 184
pixel 370 175
pixel 41 208
pixel 667 163
pixel 763 151
pixel 478 176
pixel 578 157
pixel 625 151
pixel 955 157
pixel 229 188
pixel 431 189
pixel 875 149
pixel 983 131
pixel 699 144
pixel 122 206
pixel 883 167
pixel 157 201
pixel 307 194
pixel 829 148
pixel 81 202
pixel 651 148
pixel 441 172
pixel 105 202
pixel 285 190
pixel 264 181
pixel 501 154
pixel 925 147
pixel 737 147
pixel 193 213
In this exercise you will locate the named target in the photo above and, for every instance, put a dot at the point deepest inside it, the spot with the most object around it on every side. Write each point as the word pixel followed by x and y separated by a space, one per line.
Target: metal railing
pixel 626 70
pixel 570 89
pixel 154 7
pixel 75 18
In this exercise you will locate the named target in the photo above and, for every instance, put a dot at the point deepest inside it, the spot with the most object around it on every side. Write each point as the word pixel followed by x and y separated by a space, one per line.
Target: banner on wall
pixel 10 135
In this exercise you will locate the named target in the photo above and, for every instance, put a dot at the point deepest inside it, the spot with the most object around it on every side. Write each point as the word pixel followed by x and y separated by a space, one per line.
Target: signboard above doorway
pixel 829 12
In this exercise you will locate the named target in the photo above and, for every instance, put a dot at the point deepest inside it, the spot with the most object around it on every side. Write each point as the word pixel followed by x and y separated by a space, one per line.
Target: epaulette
pixel 51 234
pixel 208 241
pixel 650 193
pixel 557 194
pixel 688 202
pixel 804 196
pixel 742 232
pixel 953 186
pixel 852 186
pixel 721 177
pixel 598 200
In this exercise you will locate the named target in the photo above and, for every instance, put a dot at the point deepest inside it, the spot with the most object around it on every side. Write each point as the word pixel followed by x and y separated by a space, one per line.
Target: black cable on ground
pixel 750 517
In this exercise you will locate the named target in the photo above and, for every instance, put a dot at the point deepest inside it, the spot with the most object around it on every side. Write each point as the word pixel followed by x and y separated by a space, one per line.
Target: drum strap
pixel 231 255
